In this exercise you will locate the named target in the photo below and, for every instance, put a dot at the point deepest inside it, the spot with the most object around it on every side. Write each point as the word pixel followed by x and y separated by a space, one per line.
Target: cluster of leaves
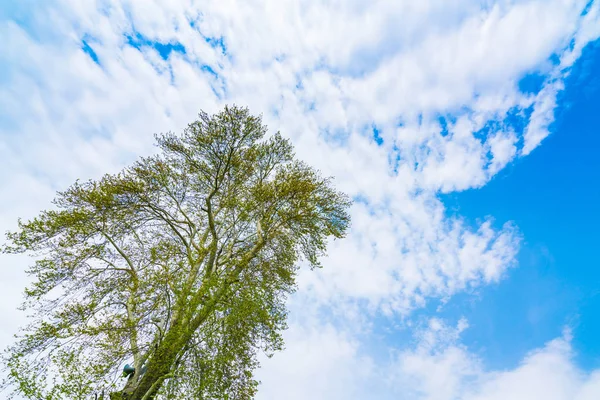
pixel 180 265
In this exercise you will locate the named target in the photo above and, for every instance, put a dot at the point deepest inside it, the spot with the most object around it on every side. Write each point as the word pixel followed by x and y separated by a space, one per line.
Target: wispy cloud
pixel 85 84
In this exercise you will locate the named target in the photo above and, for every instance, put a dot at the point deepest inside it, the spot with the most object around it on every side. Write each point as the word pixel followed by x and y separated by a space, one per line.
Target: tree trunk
pixel 159 365
pixel 175 340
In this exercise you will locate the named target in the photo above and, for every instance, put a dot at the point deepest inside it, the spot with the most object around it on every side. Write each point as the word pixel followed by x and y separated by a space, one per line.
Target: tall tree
pixel 179 266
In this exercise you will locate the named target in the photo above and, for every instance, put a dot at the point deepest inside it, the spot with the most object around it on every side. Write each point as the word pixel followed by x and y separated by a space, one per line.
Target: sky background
pixel 465 131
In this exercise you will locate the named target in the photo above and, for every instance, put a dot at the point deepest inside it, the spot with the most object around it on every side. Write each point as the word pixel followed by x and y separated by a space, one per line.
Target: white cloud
pixel 322 362
pixel 318 363
pixel 447 370
pixel 323 73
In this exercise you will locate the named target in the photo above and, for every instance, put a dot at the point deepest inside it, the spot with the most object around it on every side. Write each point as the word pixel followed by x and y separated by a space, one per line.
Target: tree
pixel 179 265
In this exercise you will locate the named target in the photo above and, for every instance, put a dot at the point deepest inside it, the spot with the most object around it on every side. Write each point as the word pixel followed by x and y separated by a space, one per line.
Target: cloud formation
pixel 441 369
pixel 327 364
pixel 400 101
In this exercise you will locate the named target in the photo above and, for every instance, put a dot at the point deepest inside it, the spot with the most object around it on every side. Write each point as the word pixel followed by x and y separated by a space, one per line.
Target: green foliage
pixel 179 265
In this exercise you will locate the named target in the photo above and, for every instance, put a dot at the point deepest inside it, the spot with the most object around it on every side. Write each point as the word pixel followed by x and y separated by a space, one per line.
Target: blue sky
pixel 552 196
pixel 466 132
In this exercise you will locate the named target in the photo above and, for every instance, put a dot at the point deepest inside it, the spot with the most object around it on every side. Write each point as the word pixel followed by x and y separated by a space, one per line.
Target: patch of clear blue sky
pixel 553 195
pixel 377 136
pixel 587 7
pixel 139 41
pixel 532 83
pixel 85 46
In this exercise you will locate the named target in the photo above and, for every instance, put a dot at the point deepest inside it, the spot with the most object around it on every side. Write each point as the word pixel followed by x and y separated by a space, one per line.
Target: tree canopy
pixel 179 265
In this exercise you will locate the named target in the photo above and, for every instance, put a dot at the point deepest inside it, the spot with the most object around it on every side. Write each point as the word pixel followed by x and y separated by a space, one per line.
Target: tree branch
pixel 122 253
